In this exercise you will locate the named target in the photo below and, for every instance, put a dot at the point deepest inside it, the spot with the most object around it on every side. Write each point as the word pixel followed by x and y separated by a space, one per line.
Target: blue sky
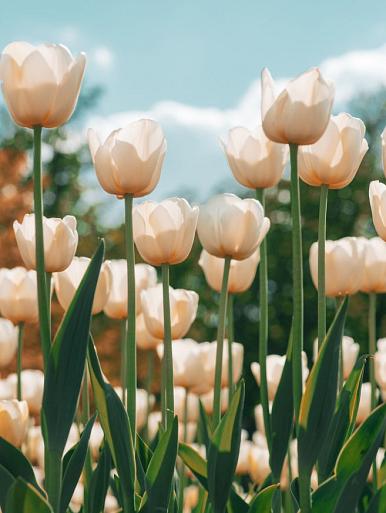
pixel 204 56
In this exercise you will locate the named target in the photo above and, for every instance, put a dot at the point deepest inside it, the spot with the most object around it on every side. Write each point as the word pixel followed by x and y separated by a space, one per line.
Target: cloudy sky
pixel 195 65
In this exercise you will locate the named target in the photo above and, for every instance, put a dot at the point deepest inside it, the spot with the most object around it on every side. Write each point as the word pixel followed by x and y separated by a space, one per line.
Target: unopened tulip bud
pixel 374 273
pixel 259 417
pixel 241 274
pixel 344 266
pixel 381 345
pixel 130 159
pixel 8 341
pixel 377 196
pixel 41 83
pixel 335 158
pixel 13 421
pixel 67 282
pixel 32 386
pixel 145 277
pixel 259 468
pixel 350 352
pixel 18 295
pixel 164 232
pixel 60 241
pixel 255 161
pixel 364 407
pixel 183 310
pixel 231 227
pixel 144 339
pixel 301 112
pixel 242 467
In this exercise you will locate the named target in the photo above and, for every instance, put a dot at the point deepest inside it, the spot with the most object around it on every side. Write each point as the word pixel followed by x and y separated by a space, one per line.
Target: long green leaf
pixel 377 504
pixel 224 451
pixel 318 401
pixel 22 497
pixel 67 361
pixel 195 462
pixel 6 480
pixel 262 503
pixel 99 482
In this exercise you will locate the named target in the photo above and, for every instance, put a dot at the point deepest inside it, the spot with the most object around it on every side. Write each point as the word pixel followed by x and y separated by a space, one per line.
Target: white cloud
pixel 103 57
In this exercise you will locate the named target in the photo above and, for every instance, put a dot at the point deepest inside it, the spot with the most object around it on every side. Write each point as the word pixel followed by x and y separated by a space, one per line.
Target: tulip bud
pixel 143 402
pixel 207 400
pixel 242 467
pixel 13 421
pixel 41 83
pixel 60 241
pixel 209 351
pixel 381 345
pixel 144 339
pixel 377 196
pixel 275 366
pixel 344 266
pixel 301 112
pixel 18 295
pixel 96 439
pixel 255 161
pixel 364 407
pixel 164 232
pixel 380 371
pixel 374 273
pixel 231 227
pixel 259 468
pixel 335 158
pixel 191 498
pixel 183 310
pixel 32 386
pixel 8 341
pixel 34 446
pixel 130 159
pixel 67 282
pixel 179 405
pixel 145 277
pixel 241 274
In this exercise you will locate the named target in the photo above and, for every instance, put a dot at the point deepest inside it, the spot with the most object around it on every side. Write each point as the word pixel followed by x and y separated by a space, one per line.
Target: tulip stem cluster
pixel 44 320
pixel 168 413
pixel 230 343
pixel 220 342
pixel 19 359
pixel 263 327
pixel 322 264
pixel 131 349
pixel 297 271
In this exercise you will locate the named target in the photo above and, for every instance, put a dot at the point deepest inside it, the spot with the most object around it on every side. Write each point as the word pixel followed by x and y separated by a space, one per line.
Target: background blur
pixel 194 67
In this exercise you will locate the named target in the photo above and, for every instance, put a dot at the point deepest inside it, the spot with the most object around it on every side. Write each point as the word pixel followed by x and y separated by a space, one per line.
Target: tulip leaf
pixel 195 462
pixel 205 425
pixel 74 466
pixel 282 416
pixel 159 474
pixel 115 425
pixel 236 504
pixel 378 501
pixel 66 360
pixel 295 495
pixel 342 422
pixel 99 482
pixel 318 402
pixel 342 491
pixel 262 503
pixel 143 455
pixel 223 452
pixel 22 497
pixel 6 480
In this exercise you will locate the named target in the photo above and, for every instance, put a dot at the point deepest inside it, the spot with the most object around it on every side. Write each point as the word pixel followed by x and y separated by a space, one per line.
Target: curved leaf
pixel 262 503
pixel 22 497
pixel 377 504
pixel 195 462
pixel 99 482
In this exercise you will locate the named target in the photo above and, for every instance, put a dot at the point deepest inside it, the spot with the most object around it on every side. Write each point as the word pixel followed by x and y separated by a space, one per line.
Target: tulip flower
pixel 209 350
pixel 242 467
pixel 383 140
pixel 32 383
pixel 231 227
pixel 207 400
pixel 8 341
pixel 275 366
pixel 364 407
pixel 191 498
pixel 129 161
pixel 183 307
pixel 241 273
pixel 350 352
pixel 155 421
pixel 145 277
pixel 259 416
pixel 144 339
pixel 255 161
pixel 344 266
pixel 185 400
pixel 164 232
pixel 259 468
pixel 374 274
pixel 18 295
pixel 335 158
pixel 13 421
pixel 301 112
pixel 381 345
pixel 377 196
pixel 380 371
pixel 60 241
pixel 41 83
pixel 67 282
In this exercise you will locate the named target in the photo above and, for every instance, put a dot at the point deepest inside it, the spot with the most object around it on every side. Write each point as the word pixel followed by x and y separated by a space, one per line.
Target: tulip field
pixel 71 440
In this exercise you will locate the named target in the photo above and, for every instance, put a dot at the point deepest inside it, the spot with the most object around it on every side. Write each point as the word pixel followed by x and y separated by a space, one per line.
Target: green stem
pixel 53 479
pixel 230 343
pixel 322 264
pixel 131 349
pixel 220 342
pixel 48 283
pixel 168 355
pixel 85 415
pixel 372 350
pixel 19 360
pixel 149 383
pixel 297 270
pixel 305 492
pixel 39 243
pixel 123 361
pixel 263 328
pixel 182 468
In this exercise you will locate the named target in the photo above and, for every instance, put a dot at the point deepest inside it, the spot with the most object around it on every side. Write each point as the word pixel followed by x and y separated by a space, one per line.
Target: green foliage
pixel 22 497
pixel 99 482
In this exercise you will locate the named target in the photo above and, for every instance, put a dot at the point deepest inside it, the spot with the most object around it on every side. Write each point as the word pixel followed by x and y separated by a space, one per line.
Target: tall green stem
pixel 123 361
pixel 230 344
pixel 297 271
pixel 322 264
pixel 263 327
pixel 372 350
pixel 131 349
pixel 220 342
pixel 182 468
pixel 44 321
pixel 168 355
pixel 85 415
pixel 53 479
pixel 19 359
pixel 149 384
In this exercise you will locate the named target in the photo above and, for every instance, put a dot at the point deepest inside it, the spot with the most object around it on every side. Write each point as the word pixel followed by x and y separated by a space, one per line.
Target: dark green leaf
pixel 66 361
pixel 143 455
pixel 205 426
pixel 318 401
pixel 6 480
pixel 99 482
pixel 295 495
pixel 22 497
pixel 262 503
pixel 195 462
pixel 377 504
